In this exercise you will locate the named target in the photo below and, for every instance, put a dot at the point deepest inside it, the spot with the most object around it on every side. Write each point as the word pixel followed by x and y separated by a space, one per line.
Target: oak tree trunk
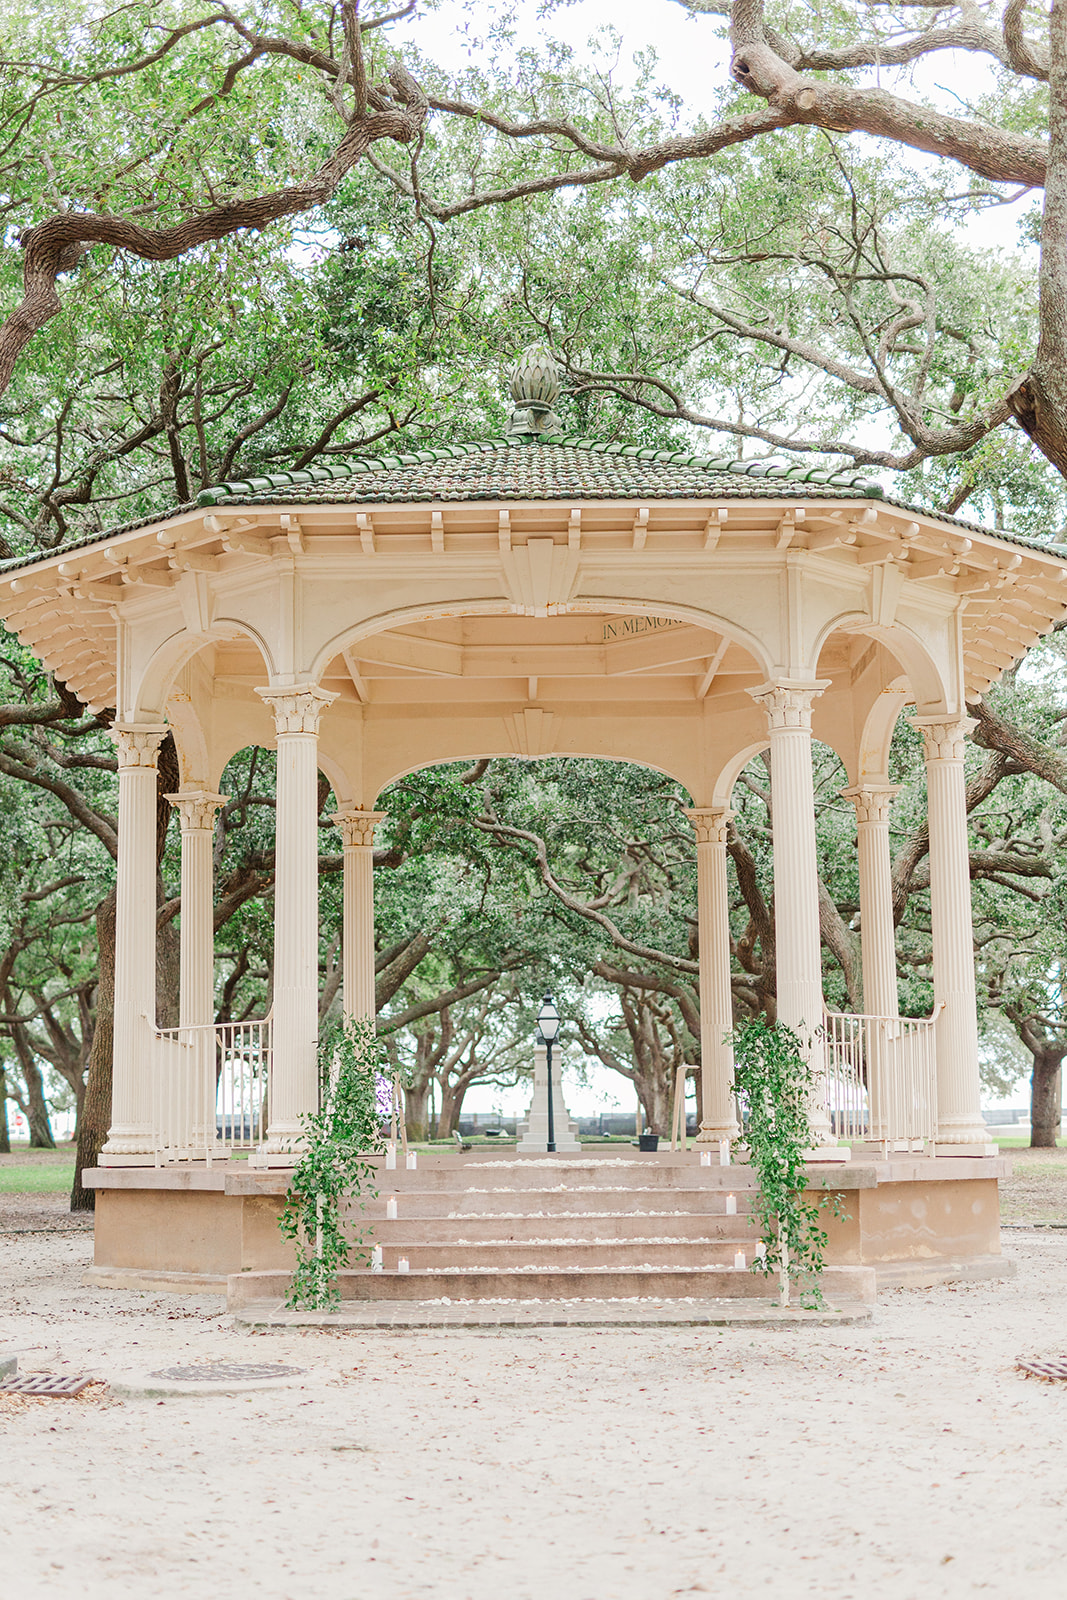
pixel 1039 401
pixel 451 1105
pixel 416 1111
pixel 5 1135
pixel 1046 1085
pixel 41 1137
pixel 96 1107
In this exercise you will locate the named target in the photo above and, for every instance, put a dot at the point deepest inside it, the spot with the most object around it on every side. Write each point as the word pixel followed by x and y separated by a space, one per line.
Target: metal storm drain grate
pixel 57 1385
pixel 227 1372
pixel 1052 1371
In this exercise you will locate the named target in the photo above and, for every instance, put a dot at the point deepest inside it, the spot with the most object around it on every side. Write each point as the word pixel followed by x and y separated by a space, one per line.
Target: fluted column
pixel 877 937
pixel 796 874
pixel 294 1083
pixel 717 1118
pixel 959 1118
pixel 196 810
pixel 357 919
pixel 878 944
pixel 131 1139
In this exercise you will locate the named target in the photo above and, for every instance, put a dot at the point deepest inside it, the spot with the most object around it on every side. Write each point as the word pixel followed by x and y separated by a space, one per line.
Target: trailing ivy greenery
pixel 774 1084
pixel 336 1165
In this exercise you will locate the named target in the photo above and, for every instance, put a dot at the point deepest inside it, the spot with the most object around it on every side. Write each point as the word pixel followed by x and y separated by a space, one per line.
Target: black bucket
pixel 648 1141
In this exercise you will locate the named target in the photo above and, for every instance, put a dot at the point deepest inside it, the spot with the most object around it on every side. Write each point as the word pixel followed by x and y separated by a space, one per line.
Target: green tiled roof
pixel 562 467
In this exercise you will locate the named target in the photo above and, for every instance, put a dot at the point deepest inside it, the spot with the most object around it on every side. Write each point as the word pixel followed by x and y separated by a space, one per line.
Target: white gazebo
pixel 534 595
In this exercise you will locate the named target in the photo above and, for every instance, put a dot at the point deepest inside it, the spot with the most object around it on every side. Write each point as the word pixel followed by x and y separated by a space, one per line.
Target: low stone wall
pixel 913 1219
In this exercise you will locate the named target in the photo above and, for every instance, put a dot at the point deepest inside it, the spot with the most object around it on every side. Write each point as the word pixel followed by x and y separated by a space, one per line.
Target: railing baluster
pixel 215 1071
pixel 896 1055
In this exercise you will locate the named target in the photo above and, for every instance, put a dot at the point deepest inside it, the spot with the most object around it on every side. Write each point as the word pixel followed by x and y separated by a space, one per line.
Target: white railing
pixel 210 1089
pixel 881 1079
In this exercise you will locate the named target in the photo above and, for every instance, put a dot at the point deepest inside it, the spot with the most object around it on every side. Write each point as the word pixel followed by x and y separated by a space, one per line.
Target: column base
pixel 716 1133
pixel 134 1149
pixel 967 1151
pixel 824 1153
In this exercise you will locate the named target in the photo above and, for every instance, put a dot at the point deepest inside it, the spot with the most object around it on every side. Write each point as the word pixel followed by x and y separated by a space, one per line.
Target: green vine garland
pixel 774 1084
pixel 335 1165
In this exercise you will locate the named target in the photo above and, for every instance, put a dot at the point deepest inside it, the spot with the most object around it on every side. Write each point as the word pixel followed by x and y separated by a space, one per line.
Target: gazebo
pixel 532 595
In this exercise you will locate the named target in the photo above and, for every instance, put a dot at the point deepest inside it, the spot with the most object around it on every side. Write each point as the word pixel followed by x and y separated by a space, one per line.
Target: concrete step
pixel 458 1204
pixel 567 1254
pixel 562 1175
pixel 839 1285
pixel 412 1226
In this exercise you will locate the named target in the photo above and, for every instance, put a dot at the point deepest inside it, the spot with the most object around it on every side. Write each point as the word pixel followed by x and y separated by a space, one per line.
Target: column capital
pixel 710 823
pixel 297 708
pixel 944 736
pixel 138 742
pixel 197 808
pixel 871 800
pixel 356 825
pixel 788 701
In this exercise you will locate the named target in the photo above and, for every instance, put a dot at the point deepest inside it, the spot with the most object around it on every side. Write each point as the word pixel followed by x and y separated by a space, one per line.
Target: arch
pixel 547 755
pixel 168 659
pixel 876 734
pixel 723 787
pixel 588 605
pixel 905 646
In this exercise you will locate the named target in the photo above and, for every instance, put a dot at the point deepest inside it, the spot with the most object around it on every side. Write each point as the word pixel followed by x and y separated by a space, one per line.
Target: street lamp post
pixel 548 1024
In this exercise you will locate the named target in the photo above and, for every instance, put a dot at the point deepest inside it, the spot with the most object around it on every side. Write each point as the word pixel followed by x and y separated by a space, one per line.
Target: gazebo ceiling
pixel 580 500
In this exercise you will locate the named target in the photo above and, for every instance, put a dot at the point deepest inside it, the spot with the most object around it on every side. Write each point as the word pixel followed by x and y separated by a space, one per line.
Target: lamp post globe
pixel 548 1027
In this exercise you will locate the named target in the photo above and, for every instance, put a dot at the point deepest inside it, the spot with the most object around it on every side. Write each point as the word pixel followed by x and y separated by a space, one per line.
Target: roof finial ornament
pixel 536 381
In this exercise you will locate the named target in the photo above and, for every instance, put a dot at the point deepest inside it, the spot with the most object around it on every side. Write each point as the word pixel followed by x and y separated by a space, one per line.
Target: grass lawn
pixel 29 1178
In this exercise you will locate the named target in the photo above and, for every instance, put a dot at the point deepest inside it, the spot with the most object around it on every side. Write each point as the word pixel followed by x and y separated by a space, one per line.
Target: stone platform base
pixel 362 1316
pixel 489 1226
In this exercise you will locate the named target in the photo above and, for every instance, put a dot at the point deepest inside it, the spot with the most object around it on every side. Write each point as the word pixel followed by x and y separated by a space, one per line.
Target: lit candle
pixel 390 1157
pixel 390 1207
pixel 731 1205
pixel 760 1251
pixel 705 1158
pixel 376 1258
pixel 739 1259
pixel 413 1160
pixel 402 1264
pixel 724 1152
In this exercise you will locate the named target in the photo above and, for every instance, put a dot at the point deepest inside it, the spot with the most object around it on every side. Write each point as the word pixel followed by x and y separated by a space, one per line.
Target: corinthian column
pixel 717 1119
pixel 357 927
pixel 878 948
pixel 796 875
pixel 878 942
pixel 294 1077
pixel 959 1118
pixel 196 810
pixel 131 1139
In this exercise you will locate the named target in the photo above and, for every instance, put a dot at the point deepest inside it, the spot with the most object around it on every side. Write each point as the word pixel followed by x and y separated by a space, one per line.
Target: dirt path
pixel 902 1460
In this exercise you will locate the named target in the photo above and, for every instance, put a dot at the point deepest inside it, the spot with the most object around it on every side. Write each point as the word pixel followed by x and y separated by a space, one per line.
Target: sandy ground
pixel 895 1461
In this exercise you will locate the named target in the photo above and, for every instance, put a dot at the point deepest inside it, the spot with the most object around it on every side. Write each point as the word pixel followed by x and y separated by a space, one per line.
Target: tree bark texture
pixel 5 1135
pixel 1046 1097
pixel 96 1107
pixel 1039 401
pixel 41 1137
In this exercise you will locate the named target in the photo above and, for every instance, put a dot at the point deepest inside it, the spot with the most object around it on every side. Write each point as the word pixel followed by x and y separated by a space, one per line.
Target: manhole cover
pixel 59 1386
pixel 227 1372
